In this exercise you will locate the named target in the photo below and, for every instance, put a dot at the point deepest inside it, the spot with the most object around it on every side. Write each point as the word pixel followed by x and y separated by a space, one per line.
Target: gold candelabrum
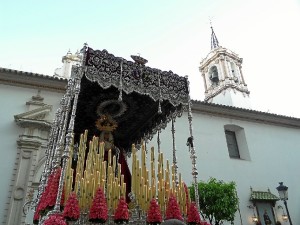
pixel 92 172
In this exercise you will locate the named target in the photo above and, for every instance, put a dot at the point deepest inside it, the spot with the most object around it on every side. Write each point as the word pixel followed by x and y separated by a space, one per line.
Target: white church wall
pixel 13 101
pixel 231 98
pixel 273 157
pixel 273 151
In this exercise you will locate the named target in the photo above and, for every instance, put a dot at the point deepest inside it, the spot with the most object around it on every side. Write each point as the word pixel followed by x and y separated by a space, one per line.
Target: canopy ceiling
pixel 131 93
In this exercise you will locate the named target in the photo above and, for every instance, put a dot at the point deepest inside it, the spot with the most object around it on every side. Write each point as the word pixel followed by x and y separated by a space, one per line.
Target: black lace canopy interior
pixel 139 98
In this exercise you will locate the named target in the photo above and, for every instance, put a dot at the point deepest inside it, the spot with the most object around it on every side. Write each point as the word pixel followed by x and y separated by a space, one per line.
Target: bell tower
pixel 223 78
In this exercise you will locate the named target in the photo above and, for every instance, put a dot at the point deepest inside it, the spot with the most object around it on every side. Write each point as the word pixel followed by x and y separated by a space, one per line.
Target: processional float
pixel 110 109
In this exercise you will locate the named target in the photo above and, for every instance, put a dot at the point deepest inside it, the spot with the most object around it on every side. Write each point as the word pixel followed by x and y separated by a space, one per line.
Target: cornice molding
pixel 32 80
pixel 29 144
pixel 35 113
pixel 34 118
pixel 41 124
pixel 219 53
pixel 245 114
pixel 215 92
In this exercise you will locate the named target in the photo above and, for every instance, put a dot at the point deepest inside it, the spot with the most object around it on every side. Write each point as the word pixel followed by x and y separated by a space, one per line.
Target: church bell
pixel 214 76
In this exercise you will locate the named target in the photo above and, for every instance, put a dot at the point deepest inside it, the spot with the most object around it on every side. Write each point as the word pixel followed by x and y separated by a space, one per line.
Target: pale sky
pixel 171 35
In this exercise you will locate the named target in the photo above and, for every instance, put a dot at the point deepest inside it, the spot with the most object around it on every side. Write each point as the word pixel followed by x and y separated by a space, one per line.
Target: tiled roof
pixel 245 114
pixel 243 109
pixel 263 196
pixel 219 109
pixel 30 74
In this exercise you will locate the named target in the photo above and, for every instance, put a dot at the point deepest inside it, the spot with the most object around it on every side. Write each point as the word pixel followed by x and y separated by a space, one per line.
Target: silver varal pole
pixel 78 71
pixel 174 151
pixel 158 141
pixel 190 143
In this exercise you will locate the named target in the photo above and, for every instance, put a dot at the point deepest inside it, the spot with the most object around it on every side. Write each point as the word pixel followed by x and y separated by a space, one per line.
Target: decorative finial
pixel 214 40
pixel 84 48
pixel 138 59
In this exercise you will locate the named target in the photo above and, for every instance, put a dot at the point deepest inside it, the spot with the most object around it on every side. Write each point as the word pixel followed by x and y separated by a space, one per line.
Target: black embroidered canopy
pixel 140 99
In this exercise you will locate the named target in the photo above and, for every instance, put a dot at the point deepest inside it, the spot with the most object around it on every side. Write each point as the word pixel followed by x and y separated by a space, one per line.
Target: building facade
pixel 254 149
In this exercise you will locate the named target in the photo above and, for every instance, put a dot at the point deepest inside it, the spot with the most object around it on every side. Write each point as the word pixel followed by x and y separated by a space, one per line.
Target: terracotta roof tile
pixel 30 74
pixel 263 196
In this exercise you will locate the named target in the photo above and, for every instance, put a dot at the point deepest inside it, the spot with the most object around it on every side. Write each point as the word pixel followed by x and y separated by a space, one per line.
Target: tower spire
pixel 214 40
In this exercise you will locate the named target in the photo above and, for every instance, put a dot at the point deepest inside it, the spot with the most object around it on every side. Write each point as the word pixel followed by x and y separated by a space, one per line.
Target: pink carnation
pixel 193 214
pixel 99 210
pixel 55 219
pixel 122 213
pixel 71 210
pixel 154 214
pixel 173 210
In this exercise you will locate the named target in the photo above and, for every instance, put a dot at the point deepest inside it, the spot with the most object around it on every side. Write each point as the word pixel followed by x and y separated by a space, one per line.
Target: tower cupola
pixel 224 82
pixel 68 61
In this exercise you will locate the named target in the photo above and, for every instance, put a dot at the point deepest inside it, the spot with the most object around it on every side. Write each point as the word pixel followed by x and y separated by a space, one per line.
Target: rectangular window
pixel 232 145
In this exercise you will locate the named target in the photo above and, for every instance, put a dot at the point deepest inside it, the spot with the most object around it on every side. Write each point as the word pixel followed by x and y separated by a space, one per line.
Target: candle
pixel 146 195
pixel 114 165
pixel 124 190
pixel 109 157
pixel 93 187
pixel 113 194
pixel 108 195
pixel 119 188
pixel 102 150
pixel 163 198
pixel 179 178
pixel 119 172
pixel 133 171
pixel 152 154
pixel 158 192
pixel 122 179
pixel 147 177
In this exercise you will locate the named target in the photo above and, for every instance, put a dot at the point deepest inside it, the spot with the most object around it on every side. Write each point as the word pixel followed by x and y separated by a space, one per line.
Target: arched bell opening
pixel 214 75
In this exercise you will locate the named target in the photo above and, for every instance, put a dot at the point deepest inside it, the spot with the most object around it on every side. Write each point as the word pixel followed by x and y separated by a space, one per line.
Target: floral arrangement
pixel 42 205
pixel 48 197
pixel 55 219
pixel 193 215
pixel 173 210
pixel 53 189
pixel 154 214
pixel 122 213
pixel 99 211
pixel 71 210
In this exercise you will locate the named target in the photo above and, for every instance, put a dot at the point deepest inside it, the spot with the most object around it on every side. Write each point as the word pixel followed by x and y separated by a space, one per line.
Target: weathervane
pixel 214 40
